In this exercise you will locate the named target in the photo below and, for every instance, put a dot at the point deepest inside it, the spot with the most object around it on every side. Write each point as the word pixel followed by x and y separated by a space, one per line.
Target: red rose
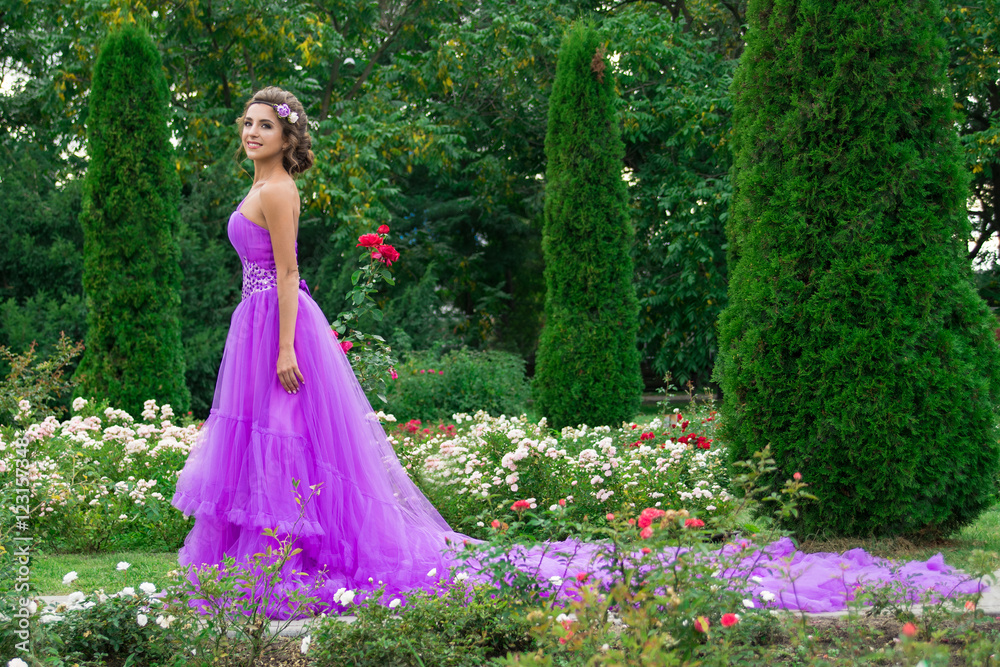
pixel 910 630
pixel 520 505
pixel 346 346
pixel 383 229
pixel 797 476
pixel 646 533
pixel 609 516
pixel 386 254
pixel 581 576
pixel 694 523
pixel 729 620
pixel 494 523
pixel 369 240
pixel 647 550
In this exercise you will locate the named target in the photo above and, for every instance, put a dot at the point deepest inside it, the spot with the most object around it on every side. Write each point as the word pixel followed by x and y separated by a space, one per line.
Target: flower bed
pixel 100 480
pixel 474 469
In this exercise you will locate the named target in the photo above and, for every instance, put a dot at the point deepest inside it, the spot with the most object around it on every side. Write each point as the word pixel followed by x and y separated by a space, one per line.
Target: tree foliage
pixel 588 363
pixel 131 275
pixel 854 343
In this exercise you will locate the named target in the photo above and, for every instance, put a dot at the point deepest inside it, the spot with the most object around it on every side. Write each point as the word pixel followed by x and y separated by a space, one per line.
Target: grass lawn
pixel 98 570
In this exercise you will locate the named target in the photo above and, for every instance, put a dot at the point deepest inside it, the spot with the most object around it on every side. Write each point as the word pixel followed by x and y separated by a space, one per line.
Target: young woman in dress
pixel 288 410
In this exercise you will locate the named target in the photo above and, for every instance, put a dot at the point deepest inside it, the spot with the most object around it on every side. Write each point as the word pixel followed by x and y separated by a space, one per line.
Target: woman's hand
pixel 288 371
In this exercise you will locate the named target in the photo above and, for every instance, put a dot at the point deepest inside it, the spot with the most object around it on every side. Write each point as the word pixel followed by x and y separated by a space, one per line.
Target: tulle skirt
pixel 262 452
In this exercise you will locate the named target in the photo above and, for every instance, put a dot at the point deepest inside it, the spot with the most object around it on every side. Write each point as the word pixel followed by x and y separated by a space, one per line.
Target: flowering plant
pixel 371 357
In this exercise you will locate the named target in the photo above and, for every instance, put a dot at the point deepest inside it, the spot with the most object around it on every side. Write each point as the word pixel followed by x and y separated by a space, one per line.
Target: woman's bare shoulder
pixel 279 192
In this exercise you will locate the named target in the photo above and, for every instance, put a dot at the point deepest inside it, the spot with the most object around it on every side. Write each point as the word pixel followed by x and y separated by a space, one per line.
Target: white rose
pixel 78 403
pixel 147 588
pixel 347 598
pixel 122 566
pixel 293 118
pixel 305 644
pixel 70 577
pixel 395 603
pixel 433 572
pixel 141 619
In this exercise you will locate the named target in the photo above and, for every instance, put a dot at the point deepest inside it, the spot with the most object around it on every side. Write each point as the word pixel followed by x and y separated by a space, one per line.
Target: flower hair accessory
pixel 283 111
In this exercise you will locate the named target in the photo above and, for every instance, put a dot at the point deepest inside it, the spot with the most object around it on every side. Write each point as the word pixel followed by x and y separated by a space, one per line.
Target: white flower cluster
pixel 631 465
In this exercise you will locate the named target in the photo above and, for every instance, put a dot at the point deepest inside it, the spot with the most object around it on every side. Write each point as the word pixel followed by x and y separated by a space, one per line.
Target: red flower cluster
pixel 412 426
pixel 699 441
pixel 380 250
pixel 520 505
pixel 694 523
pixel 649 435
pixel 648 515
pixel 729 620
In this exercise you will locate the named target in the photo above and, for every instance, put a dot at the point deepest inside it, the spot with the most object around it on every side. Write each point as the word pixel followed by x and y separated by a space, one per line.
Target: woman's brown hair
pixel 298 156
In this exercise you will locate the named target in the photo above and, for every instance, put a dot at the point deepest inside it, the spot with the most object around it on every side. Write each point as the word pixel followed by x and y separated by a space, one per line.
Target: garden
pixel 526 223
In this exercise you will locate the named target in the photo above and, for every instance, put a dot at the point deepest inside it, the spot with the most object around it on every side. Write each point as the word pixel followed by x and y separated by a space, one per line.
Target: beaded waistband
pixel 258 279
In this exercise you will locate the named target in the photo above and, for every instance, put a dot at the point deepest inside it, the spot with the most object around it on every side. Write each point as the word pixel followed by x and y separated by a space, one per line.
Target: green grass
pixel 99 571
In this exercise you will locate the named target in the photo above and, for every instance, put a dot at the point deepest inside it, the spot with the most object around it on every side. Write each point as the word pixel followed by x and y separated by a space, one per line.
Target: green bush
pixel 854 342
pixel 588 362
pixel 131 274
pixel 432 387
pixel 463 627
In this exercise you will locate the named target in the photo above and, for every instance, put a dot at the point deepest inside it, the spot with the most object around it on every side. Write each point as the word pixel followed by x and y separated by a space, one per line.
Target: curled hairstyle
pixel 298 156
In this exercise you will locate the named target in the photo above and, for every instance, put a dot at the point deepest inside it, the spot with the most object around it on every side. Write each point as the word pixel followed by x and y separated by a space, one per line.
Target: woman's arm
pixel 278 202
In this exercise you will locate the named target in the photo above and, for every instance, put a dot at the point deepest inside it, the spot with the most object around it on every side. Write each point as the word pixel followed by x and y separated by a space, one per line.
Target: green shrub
pixel 41 383
pixel 463 627
pixel 131 274
pixel 432 387
pixel 588 363
pixel 854 342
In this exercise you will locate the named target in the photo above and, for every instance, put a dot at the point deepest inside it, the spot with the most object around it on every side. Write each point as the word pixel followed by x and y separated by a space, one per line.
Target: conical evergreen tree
pixel 853 342
pixel 131 275
pixel 587 368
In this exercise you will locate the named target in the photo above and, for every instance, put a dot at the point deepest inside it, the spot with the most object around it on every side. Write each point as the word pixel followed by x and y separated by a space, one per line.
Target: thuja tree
pixel 131 274
pixel 854 343
pixel 587 366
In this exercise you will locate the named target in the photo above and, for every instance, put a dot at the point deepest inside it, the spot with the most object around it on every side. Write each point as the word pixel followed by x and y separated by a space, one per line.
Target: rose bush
pixel 485 464
pixel 101 480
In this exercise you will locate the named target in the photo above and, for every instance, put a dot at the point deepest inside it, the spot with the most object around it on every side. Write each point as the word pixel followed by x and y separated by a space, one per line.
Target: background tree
pixel 131 274
pixel 854 343
pixel 588 364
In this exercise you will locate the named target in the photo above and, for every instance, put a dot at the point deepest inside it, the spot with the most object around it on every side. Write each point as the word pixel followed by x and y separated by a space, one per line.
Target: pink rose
pixel 346 346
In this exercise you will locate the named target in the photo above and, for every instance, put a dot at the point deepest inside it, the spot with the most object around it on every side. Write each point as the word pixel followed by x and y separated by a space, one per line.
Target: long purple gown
pixel 369 523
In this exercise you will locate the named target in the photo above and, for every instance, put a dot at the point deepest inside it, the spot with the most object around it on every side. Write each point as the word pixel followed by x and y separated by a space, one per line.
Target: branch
pixel 381 50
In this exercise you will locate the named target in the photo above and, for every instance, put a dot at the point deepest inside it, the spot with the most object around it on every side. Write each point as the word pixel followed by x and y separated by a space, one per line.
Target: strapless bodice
pixel 253 244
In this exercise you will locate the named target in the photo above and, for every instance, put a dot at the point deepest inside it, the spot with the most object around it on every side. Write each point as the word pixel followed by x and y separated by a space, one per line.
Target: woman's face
pixel 262 133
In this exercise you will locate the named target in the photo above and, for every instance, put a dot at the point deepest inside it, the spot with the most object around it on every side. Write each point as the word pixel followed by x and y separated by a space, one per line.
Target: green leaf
pixel 355 276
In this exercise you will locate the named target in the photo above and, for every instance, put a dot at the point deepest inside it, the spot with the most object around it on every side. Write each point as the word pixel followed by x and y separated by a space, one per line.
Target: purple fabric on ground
pixel 369 523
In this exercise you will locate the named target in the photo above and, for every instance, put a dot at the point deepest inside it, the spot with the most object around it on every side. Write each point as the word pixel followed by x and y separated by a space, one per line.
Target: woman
pixel 288 407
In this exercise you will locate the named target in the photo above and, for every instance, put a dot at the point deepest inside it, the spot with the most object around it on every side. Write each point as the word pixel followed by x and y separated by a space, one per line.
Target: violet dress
pixel 370 523
pixel 368 520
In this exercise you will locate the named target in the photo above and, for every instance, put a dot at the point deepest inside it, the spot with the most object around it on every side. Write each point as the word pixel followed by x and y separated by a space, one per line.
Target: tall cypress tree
pixel 587 367
pixel 131 275
pixel 853 342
